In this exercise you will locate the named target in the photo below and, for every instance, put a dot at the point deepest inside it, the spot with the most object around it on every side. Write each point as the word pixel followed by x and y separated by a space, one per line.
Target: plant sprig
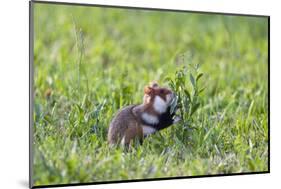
pixel 185 83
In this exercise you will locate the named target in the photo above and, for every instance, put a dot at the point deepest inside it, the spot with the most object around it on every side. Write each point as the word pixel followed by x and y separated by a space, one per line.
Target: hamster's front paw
pixel 176 119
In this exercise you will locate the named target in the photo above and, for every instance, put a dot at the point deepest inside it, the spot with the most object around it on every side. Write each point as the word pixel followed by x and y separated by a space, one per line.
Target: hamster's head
pixel 158 98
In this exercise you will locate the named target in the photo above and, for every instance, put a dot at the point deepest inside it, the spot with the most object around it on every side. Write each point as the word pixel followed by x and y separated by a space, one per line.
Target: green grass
pixel 89 62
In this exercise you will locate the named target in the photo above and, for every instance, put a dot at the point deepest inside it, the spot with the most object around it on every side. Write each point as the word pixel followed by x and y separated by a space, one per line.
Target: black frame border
pixel 31 99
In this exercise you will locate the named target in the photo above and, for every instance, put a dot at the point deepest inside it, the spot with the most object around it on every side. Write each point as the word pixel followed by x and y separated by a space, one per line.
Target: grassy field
pixel 89 62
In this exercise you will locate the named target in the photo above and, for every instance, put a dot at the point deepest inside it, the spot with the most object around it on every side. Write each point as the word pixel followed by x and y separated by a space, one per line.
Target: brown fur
pixel 125 124
pixel 133 132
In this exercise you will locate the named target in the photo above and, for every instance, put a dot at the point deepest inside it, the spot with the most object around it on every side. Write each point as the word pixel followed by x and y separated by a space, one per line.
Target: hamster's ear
pixel 148 90
pixel 153 84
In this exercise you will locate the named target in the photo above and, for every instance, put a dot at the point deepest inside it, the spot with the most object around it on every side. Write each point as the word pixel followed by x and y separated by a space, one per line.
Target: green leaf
pixel 201 90
pixel 186 103
pixel 199 76
pixel 187 94
pixel 192 80
pixel 173 105
pixel 208 133
pixel 171 85
pixel 194 108
pixel 168 79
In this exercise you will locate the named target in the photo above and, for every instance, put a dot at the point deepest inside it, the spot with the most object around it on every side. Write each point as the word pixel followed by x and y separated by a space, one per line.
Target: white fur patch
pixel 159 105
pixel 147 130
pixel 123 141
pixel 151 119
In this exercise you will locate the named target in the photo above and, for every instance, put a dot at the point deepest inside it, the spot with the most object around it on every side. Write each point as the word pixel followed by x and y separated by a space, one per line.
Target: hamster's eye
pixel 161 91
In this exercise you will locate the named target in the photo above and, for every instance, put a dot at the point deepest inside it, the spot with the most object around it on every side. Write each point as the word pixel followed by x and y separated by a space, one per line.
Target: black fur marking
pixel 165 120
